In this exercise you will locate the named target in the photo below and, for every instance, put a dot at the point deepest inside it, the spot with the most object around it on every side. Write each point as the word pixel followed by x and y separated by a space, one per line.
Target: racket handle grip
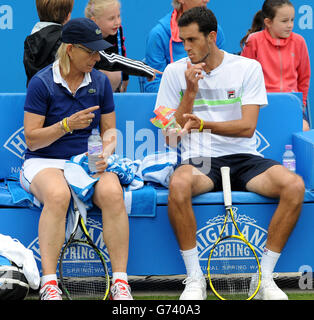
pixel 226 185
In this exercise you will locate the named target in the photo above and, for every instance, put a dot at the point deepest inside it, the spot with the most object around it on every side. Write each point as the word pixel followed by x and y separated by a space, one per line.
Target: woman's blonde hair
pixel 64 59
pixel 95 8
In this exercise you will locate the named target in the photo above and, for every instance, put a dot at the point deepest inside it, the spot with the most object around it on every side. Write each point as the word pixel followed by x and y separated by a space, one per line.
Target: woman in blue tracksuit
pixel 164 45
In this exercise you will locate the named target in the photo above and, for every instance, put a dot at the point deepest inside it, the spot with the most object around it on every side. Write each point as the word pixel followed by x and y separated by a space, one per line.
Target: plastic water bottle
pixel 288 158
pixel 94 149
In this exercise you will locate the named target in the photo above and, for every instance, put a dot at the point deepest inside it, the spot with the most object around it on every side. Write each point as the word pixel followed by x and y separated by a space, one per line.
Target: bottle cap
pixel 288 146
pixel 95 131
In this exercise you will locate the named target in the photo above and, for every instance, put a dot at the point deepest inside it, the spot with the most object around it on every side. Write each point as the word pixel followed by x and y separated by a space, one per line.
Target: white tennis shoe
pixel 268 289
pixel 195 288
pixel 120 290
pixel 50 291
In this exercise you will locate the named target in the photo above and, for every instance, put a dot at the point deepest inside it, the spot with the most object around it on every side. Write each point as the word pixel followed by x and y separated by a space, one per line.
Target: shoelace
pixel 192 284
pixel 120 289
pixel 270 283
pixel 190 281
pixel 49 292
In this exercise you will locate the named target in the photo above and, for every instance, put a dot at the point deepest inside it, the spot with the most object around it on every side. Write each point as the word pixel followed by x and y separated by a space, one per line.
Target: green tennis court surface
pixel 170 288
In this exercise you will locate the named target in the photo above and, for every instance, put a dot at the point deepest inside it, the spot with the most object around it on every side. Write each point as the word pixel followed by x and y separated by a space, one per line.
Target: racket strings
pixel 232 266
pixel 83 273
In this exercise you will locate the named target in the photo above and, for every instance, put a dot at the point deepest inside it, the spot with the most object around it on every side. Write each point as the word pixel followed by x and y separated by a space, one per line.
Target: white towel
pixel 158 167
pixel 13 250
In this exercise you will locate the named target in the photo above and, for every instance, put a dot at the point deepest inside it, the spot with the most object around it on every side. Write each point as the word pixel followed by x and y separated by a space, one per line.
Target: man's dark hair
pixel 204 17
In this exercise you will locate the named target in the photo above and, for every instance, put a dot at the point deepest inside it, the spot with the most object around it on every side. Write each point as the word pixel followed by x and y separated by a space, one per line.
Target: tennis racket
pixel 233 267
pixel 82 268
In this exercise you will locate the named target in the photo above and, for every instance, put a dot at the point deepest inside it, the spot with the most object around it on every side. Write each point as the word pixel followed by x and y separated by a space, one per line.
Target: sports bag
pixel 13 283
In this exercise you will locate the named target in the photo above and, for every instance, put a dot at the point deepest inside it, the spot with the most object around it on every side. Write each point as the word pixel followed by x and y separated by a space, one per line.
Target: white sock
pixel 47 278
pixel 191 261
pixel 119 275
pixel 268 261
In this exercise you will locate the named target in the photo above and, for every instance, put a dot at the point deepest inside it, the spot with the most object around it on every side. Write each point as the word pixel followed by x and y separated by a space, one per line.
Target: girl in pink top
pixel 282 53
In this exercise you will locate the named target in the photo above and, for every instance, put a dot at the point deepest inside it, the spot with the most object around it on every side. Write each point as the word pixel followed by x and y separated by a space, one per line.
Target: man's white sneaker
pixel 195 288
pixel 50 291
pixel 268 289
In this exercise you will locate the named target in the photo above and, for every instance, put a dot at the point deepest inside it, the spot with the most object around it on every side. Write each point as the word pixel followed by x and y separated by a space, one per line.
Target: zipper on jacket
pixel 280 65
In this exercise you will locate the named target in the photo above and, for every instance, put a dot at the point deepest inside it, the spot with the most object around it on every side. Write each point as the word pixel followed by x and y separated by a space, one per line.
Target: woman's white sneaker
pixel 120 290
pixel 50 291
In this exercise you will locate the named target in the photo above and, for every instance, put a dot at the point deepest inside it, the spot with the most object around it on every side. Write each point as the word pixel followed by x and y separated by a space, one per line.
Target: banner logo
pixel 261 142
pixel 235 250
pixel 16 143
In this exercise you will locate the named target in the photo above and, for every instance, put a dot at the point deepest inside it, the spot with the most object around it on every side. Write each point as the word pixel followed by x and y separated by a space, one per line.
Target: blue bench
pixel 153 247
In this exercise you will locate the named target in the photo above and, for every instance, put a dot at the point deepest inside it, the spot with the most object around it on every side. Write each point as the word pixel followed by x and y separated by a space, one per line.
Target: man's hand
pixel 192 123
pixel 193 74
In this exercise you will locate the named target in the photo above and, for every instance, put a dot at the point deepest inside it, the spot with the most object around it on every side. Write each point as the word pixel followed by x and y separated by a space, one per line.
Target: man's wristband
pixel 201 126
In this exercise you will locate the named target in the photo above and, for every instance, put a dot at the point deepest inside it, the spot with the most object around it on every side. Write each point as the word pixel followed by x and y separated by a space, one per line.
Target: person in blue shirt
pixel 163 44
pixel 64 102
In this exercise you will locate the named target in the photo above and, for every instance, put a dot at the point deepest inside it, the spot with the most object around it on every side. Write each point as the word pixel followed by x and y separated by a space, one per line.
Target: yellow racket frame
pixel 84 229
pixel 240 237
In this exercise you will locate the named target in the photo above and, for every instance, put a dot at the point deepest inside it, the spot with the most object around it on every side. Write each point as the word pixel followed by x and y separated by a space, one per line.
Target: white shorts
pixel 32 166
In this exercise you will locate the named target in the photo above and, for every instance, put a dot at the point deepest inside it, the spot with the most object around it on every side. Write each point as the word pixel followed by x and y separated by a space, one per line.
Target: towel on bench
pixel 140 199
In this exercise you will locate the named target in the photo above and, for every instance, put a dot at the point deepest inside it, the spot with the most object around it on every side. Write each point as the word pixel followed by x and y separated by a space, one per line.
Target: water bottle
pixel 288 158
pixel 94 149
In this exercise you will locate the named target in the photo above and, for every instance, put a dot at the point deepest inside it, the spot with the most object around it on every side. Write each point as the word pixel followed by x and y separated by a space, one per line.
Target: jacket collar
pixel 277 42
pixel 174 27
pixel 41 25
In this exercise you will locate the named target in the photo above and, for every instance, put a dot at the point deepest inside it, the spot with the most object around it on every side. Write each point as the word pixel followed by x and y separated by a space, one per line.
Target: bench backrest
pixel 138 137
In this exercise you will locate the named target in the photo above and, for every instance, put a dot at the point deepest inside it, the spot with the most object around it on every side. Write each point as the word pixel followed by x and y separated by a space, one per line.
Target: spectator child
pixel 41 46
pixel 282 53
pixel 106 14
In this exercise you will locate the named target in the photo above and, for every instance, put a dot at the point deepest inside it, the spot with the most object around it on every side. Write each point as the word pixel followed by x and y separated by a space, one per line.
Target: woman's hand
pixel 82 119
pixel 109 144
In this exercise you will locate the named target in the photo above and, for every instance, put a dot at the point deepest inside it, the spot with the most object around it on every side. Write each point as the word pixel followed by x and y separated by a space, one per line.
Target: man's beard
pixel 204 58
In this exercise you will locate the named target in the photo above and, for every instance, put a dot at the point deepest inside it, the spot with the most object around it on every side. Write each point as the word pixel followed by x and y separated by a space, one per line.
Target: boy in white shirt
pixel 217 97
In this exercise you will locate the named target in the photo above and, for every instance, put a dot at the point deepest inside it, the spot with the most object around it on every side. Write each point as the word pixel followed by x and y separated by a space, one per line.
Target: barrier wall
pixel 17 19
pixel 153 247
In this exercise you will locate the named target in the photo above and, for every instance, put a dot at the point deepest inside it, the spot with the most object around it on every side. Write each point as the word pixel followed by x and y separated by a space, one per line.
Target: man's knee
pixel 180 190
pixel 293 190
